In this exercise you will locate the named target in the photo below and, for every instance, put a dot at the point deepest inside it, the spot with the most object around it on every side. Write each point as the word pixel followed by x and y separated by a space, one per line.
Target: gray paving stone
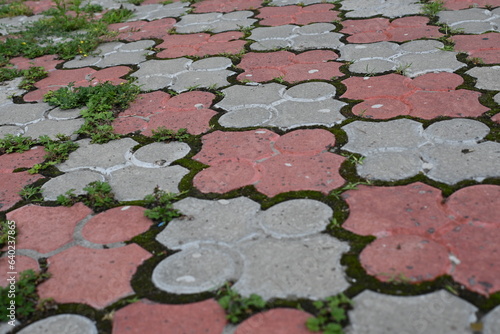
pixel 214 22
pixel 272 104
pixel 133 183
pixel 59 114
pixel 5 328
pixel 391 166
pixel 287 268
pixel 159 154
pixel 413 58
pixel 388 8
pixel 312 36
pixel 10 129
pixel 496 98
pixel 22 114
pixel 62 323
pixel 52 128
pixel 491 321
pixel 113 4
pixel 294 2
pixel 8 89
pixel 75 180
pixel 17 23
pixel 437 312
pixel 113 54
pixel 196 270
pixel 158 11
pixel 487 77
pixel 473 20
pixel 458 130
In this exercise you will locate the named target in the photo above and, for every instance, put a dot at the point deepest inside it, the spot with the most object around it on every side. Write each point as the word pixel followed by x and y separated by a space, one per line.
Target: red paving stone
pixel 496 118
pixel 245 158
pixel 149 111
pixel 380 29
pixel 117 224
pixel 477 203
pixel 464 4
pixel 318 64
pixel 137 30
pixel 428 96
pixel 276 321
pixel 97 277
pixel 10 162
pixel 147 317
pixel 81 77
pixel 45 229
pixel 48 62
pixel 224 6
pixel 40 6
pixel 277 16
pixel 485 46
pixel 22 263
pixel 201 44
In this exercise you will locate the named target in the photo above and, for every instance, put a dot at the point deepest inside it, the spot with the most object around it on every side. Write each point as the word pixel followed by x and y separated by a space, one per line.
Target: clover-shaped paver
pixel 472 21
pixel 277 16
pixel 214 22
pixel 81 77
pixel 388 8
pixel 115 53
pixel 189 110
pixel 381 29
pixel 159 11
pixel 312 36
pixel 412 58
pixel 201 44
pixel 137 30
pixel 487 77
pixel 447 151
pixel 298 160
pixel 427 96
pixel 485 46
pixel 224 6
pixel 232 239
pixel 183 74
pixel 421 237
pixel 273 104
pixel 287 66
pixel 463 4
pixel 131 175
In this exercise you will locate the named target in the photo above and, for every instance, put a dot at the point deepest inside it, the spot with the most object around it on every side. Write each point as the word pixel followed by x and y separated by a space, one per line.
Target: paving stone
pixel 137 30
pixel 189 110
pixel 9 25
pixel 308 268
pixel 485 46
pixel 48 62
pixel 133 183
pixel 22 114
pixel 72 282
pixel 148 317
pixel 74 181
pixel 62 323
pixel 380 29
pixel 294 2
pixel 22 263
pixel 59 114
pixel 159 11
pixel 113 54
pixel 10 162
pixel 201 44
pixel 463 4
pixel 195 270
pixel 45 229
pixel 277 321
pixel 116 225
pixel 241 165
pixel 160 154
pixel 8 89
pixel 225 6
pixel 40 6
pixel 272 104
pixel 52 128
pixel 5 328
pixel 312 36
pixel 427 96
pixel 310 65
pixel 389 8
pixel 214 22
pixel 183 74
pixel 276 16
pixel 487 77
pixel 437 312
pixel 413 58
pixel 475 203
pixel 492 321
pixel 472 21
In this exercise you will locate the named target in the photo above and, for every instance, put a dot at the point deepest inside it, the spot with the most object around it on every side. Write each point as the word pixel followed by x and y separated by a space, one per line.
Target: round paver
pixel 62 323
pixel 457 130
pixel 160 154
pixel 476 203
pixel 492 321
pixel 74 181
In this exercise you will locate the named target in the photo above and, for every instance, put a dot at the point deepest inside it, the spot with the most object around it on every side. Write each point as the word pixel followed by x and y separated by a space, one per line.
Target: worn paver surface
pixel 310 149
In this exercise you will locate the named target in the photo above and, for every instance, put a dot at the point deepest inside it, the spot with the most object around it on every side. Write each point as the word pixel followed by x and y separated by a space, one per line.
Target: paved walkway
pixel 347 147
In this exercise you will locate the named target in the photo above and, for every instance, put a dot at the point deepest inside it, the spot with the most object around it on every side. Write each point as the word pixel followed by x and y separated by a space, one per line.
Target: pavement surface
pixel 347 147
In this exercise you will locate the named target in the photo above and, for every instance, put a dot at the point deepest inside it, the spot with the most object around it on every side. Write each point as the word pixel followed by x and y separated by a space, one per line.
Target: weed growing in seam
pixel 160 206
pixel 31 75
pixel 164 134
pixel 31 193
pixel 433 7
pixel 99 196
pixel 15 8
pixel 238 308
pixel 15 144
pixel 331 315
pixel 6 230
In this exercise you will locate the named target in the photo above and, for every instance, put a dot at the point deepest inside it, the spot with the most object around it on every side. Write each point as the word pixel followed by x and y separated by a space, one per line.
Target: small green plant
pixel 99 196
pixel 58 150
pixel 68 199
pixel 331 315
pixel 433 7
pixel 402 68
pixel 349 186
pixel 354 159
pixel 447 48
pixel 31 193
pixel 117 15
pixel 164 134
pixel 5 227
pixel 160 206
pixel 280 79
pixel 15 8
pixel 237 307
pixel 396 278
pixel 475 60
pixel 11 143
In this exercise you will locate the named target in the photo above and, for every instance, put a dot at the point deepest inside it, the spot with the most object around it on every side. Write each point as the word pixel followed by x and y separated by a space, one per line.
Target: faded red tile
pixel 116 225
pixel 149 111
pixel 464 4
pixel 10 162
pixel 40 6
pixel 485 46
pixel 97 277
pixel 318 64
pixel 277 16
pixel 45 229
pixel 224 6
pixel 496 118
pixel 22 263
pixel 476 203
pixel 48 62
pixel 12 184
pixel 149 317
pixel 428 96
pixel 201 44
pixel 276 321
pixel 137 30
pixel 239 159
pixel 380 29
